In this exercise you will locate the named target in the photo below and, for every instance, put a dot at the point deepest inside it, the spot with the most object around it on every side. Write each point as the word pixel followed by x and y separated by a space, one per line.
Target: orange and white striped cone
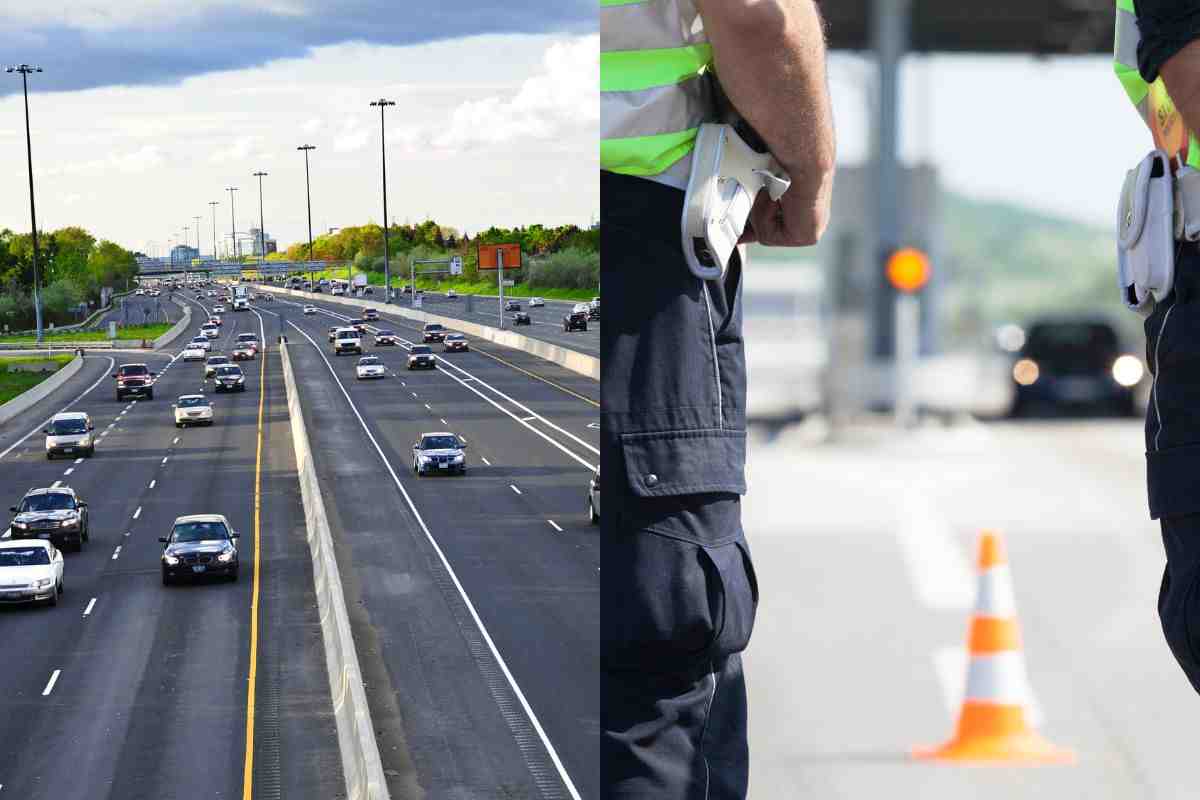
pixel 993 724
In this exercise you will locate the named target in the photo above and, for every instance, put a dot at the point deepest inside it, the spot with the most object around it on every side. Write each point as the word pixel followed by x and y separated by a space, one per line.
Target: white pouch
pixel 1145 234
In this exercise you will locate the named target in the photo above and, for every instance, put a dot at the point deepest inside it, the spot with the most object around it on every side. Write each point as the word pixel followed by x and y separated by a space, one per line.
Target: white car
pixel 31 571
pixel 347 340
pixel 193 352
pixel 193 409
pixel 69 434
pixel 450 293
pixel 370 367
pixel 537 302
pixel 210 330
pixel 310 309
pixel 202 342
pixel 140 292
pixel 218 309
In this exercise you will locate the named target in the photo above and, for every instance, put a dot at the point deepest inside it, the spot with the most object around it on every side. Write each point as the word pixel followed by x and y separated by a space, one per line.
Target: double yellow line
pixel 248 770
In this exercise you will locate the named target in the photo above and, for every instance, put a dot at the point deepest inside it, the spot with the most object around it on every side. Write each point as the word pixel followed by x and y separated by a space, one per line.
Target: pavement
pixel 142 310
pixel 864 549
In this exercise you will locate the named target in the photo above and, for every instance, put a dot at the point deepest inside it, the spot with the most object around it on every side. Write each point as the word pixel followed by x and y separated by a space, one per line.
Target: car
pixel 202 342
pixel 192 352
pixel 359 326
pixel 512 305
pixel 594 499
pixel 421 357
pixel 521 318
pixel 385 337
pixel 243 352
pixel 140 292
pixel 433 332
pixel 214 320
pixel 229 378
pixel 439 452
pixel 248 338
pixel 218 309
pixel 338 290
pixel 69 433
pixel 134 380
pixel 55 514
pixel 333 329
pixel 31 571
pixel 193 409
pixel 1075 364
pixel 451 294
pixel 370 314
pixel 370 367
pixel 200 545
pixel 577 319
pixel 347 340
pixel 211 364
pixel 210 330
pixel 537 302
pixel 253 297
pixel 309 309
pixel 594 308
pixel 455 342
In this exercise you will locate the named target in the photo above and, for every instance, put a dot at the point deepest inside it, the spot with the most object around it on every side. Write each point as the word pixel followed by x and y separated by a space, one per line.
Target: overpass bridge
pixel 218 269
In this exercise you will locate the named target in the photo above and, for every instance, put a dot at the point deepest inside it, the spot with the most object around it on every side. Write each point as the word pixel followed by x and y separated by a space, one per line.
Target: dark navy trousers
pixel 678 592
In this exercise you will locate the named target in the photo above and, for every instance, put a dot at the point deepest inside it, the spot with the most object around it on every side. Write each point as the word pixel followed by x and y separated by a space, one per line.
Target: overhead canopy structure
pixel 1038 27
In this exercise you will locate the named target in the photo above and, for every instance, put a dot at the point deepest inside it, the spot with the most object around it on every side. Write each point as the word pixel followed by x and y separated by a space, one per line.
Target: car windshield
pixel 133 369
pixel 580 308
pixel 247 337
pixel 370 361
pixel 199 531
pixel 52 501
pixel 455 337
pixel 23 557
pixel 386 333
pixel 1076 347
pixel 420 350
pixel 217 359
pixel 192 402
pixel 228 371
pixel 433 326
pixel 67 427
pixel 351 334
pixel 439 443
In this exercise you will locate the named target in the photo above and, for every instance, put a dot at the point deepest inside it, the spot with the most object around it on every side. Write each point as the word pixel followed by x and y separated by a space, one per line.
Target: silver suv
pixel 439 452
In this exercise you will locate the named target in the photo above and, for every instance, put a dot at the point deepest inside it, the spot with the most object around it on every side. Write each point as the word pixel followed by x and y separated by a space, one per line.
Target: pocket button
pixel 651 479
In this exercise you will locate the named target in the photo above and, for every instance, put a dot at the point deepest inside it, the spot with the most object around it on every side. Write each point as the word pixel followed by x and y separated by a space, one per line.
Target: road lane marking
pixel 514 488
pixel 427 408
pixel 165 459
pixel 176 440
pixel 937 566
pixel 103 376
pixel 153 482
pixel 116 553
pixel 528 419
pixel 554 525
pixel 53 680
pixel 443 420
pixel 484 460
pixel 79 460
pixel 414 394
pixel 137 513
pixel 248 769
pixel 56 484
pixel 91 603
pixel 68 472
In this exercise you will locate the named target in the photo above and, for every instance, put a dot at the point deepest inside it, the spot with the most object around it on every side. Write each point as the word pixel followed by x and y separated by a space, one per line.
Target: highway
pixel 129 689
pixel 476 598
pixel 867 580
pixel 138 308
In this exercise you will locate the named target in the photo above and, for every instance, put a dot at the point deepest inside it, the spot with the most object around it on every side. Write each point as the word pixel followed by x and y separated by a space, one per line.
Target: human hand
pixel 797 219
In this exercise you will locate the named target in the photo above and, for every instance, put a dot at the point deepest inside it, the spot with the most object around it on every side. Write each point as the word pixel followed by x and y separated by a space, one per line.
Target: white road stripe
pixel 443 420
pixel 69 471
pixel 414 394
pixel 554 525
pixel 137 513
pixel 484 460
pixel 153 482
pixel 79 460
pixel 91 603
pixel 937 565
pixel 528 419
pixel 56 484
pixel 165 459
pixel 116 553
pixel 514 488
pixel 53 680
pixel 427 407
pixel 176 440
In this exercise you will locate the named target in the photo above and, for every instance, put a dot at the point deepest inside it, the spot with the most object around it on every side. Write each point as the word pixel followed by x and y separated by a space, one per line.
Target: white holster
pixel 1146 232
pixel 727 174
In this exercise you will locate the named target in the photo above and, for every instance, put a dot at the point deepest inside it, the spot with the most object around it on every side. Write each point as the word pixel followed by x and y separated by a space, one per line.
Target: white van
pixel 70 434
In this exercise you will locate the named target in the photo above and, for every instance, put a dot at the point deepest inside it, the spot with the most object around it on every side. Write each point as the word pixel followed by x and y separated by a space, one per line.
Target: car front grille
pixel 198 558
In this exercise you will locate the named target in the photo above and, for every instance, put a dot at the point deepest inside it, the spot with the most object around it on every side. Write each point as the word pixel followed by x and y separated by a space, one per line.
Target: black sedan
pixel 521 318
pixel 200 545
pixel 230 378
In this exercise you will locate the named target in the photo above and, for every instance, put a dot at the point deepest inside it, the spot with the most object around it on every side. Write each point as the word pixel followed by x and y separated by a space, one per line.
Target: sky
pixel 149 109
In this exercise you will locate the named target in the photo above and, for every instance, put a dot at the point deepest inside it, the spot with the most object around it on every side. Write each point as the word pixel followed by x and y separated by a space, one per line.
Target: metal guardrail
pixel 97 345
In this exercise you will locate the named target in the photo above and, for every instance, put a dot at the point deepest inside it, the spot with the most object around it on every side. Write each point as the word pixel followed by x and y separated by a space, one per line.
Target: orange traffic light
pixel 908 270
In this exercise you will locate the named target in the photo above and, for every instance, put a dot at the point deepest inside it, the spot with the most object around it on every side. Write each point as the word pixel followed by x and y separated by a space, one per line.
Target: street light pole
pixel 232 224
pixel 197 236
pixel 214 204
pixel 308 194
pixel 387 269
pixel 26 70
pixel 262 233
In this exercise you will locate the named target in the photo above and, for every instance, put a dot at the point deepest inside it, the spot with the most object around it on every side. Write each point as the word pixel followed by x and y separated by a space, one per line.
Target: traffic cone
pixel 993 723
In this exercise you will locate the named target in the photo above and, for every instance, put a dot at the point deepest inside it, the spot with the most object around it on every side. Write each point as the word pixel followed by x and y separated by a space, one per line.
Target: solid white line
pixel 554 525
pixel 512 681
pixel 103 376
pixel 68 472
pixel 137 513
pixel 153 482
pixel 514 488
pixel 116 553
pixel 484 460
pixel 91 603
pixel 79 461
pixel 53 680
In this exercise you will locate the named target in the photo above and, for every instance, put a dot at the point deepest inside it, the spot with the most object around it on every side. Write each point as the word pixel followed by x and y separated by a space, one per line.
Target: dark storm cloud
pixel 164 51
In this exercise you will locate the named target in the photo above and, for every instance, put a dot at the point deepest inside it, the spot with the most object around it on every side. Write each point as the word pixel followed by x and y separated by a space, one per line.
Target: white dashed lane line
pixel 554 525
pixel 79 461
pixel 53 680
pixel 87 612
pixel 116 553
pixel 176 440
pixel 153 482
pixel 69 471
pixel 137 513
pixel 514 488
pixel 427 408
pixel 443 419
pixel 56 484
pixel 165 459
pixel 484 460
pixel 414 394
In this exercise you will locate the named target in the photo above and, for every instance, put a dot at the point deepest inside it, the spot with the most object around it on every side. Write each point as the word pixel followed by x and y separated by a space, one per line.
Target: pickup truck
pixel 347 340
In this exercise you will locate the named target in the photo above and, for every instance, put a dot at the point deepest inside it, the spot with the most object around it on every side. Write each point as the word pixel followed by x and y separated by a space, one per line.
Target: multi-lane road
pixel 474 600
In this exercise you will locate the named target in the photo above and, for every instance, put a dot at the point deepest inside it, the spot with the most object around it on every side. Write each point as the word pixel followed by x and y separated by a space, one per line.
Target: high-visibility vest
pixel 1151 99
pixel 654 92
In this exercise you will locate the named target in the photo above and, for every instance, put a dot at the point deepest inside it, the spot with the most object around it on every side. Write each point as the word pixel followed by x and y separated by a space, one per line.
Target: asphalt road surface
pixel 138 308
pixel 864 550
pixel 129 689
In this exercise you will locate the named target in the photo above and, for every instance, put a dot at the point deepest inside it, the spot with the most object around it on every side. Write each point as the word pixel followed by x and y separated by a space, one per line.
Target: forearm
pixel 770 57
pixel 1181 74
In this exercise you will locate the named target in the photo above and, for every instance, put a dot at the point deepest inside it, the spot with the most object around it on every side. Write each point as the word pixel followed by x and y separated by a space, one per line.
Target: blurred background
pixel 994 140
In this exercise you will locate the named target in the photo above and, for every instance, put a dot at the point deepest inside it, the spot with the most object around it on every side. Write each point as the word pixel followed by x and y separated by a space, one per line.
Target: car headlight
pixel 1025 372
pixel 21 526
pixel 241 380
pixel 43 583
pixel 458 459
pixel 69 523
pixel 1127 370
pixel 171 560
pixel 226 557
pixel 423 458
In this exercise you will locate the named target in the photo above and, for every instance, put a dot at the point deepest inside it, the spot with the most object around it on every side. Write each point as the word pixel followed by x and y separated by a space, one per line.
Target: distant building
pixel 266 240
pixel 181 254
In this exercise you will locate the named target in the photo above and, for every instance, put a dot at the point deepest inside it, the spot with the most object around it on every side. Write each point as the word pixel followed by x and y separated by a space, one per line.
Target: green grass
pixel 134 332
pixel 470 287
pixel 13 383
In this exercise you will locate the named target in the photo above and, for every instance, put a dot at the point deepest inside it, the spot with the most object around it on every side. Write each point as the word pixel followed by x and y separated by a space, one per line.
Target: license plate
pixel 68 449
pixel 43 536
pixel 443 465
pixel 1079 390
pixel 199 568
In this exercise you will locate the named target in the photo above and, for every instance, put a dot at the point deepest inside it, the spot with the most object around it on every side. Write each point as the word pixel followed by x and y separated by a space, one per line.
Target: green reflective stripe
pixel 607 3
pixel 1193 159
pixel 1131 79
pixel 1123 5
pixel 635 70
pixel 645 155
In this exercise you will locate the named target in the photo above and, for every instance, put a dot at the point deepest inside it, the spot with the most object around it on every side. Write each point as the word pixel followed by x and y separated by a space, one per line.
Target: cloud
pixel 351 137
pixel 562 99
pixel 144 158
pixel 313 125
pixel 240 150
pixel 151 42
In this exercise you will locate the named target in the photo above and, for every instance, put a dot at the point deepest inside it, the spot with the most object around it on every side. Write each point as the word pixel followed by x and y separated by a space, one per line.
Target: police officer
pixel 1157 56
pixel 678 588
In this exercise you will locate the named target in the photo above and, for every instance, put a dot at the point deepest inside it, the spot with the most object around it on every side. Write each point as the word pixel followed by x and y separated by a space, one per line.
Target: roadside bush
pixel 568 269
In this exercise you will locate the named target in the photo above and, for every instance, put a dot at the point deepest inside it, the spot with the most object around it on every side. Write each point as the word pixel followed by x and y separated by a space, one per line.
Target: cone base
pixel 1021 748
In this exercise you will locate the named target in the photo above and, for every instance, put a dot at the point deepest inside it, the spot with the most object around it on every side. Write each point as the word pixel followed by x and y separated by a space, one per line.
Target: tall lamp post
pixel 387 269
pixel 26 70
pixel 232 224
pixel 213 204
pixel 262 233
pixel 308 195
pixel 197 236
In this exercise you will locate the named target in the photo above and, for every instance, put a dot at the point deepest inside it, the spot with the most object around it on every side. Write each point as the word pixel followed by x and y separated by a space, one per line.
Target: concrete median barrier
pixel 177 329
pixel 575 361
pixel 361 763
pixel 27 399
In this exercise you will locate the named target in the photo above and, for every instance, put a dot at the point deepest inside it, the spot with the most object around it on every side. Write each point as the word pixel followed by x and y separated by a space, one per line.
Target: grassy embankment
pixel 13 383
pixel 129 332
pixel 468 287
